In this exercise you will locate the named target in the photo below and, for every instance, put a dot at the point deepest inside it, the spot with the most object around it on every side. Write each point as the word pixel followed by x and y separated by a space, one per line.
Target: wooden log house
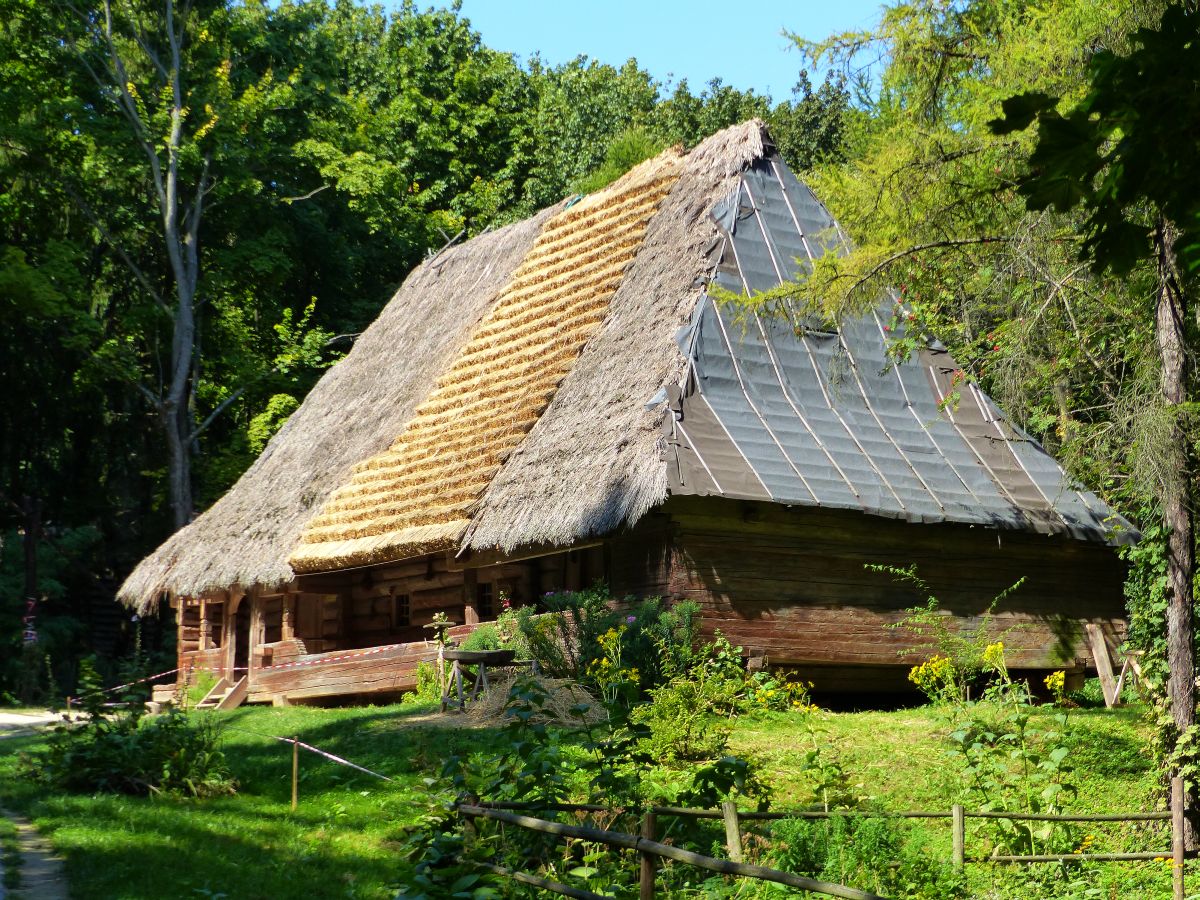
pixel 562 402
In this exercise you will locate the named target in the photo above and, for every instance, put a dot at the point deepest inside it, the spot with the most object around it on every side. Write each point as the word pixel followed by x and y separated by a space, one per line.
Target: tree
pixel 1127 155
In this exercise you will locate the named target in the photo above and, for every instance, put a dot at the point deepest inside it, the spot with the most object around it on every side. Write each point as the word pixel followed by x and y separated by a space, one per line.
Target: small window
pixel 401 611
pixel 485 604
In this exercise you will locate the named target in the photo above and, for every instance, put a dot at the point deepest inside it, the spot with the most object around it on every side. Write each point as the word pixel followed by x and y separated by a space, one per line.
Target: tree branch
pixel 133 267
pixel 311 193
pixel 921 248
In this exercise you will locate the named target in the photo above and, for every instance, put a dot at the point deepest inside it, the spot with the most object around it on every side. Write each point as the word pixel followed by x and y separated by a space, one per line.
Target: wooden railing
pixel 650 850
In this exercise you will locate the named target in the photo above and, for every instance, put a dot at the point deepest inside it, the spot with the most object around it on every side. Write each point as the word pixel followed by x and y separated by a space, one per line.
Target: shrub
pixel 129 754
pixel 484 637
pixel 572 635
pixel 682 722
pixel 869 853
pixel 427 689
pixel 959 658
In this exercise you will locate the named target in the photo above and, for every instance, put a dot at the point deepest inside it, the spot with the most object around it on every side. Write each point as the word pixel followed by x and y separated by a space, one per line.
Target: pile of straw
pixel 418 496
pixel 562 694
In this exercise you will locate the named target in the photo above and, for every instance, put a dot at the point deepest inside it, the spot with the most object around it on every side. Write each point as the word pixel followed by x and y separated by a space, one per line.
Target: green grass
pixel 343 840
pixel 346 838
pixel 10 854
pixel 900 761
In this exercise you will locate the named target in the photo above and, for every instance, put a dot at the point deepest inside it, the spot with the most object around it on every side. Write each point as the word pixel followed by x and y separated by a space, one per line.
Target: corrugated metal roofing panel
pixel 828 419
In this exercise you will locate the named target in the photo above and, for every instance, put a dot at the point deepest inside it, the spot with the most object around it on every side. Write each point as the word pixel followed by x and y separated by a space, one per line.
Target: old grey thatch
pixel 591 462
pixel 355 410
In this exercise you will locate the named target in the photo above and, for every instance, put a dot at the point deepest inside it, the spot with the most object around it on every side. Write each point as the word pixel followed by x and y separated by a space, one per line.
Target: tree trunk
pixel 179 463
pixel 1177 496
pixel 29 689
pixel 32 508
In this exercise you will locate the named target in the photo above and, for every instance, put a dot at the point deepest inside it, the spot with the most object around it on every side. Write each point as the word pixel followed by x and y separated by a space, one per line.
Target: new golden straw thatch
pixel 418 495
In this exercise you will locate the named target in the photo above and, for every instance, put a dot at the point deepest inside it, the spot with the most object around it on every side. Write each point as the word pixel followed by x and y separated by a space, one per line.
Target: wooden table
pixel 454 695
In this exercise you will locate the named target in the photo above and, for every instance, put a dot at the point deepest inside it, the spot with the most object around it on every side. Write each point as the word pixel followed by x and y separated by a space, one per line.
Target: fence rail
pixel 649 849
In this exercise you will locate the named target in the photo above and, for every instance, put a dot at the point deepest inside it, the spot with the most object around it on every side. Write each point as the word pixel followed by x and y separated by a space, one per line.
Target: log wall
pixel 791 584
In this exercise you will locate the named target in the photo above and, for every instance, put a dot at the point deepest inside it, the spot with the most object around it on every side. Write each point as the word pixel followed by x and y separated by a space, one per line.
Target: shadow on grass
pixel 344 840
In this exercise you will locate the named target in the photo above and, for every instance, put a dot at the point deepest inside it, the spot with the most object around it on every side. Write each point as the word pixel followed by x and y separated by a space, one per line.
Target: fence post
pixel 1177 836
pixel 733 830
pixel 646 871
pixel 959 819
pixel 295 772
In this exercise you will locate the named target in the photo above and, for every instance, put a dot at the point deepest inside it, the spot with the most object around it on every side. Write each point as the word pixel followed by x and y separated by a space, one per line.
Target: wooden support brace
pixel 1104 666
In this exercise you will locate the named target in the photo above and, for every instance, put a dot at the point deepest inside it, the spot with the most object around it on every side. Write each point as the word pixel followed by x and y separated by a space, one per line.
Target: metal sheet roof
pixel 820 418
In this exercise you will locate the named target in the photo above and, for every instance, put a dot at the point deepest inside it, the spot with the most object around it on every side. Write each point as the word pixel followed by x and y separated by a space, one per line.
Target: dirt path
pixel 23 722
pixel 42 875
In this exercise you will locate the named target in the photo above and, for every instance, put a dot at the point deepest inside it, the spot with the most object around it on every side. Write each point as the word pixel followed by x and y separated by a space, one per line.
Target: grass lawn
pixel 345 838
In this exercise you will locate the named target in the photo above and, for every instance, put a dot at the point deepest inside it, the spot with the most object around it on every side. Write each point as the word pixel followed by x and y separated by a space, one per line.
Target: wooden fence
pixel 650 850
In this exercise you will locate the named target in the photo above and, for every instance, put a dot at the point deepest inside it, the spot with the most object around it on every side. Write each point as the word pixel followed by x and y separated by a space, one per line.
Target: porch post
pixel 205 642
pixel 287 625
pixel 470 597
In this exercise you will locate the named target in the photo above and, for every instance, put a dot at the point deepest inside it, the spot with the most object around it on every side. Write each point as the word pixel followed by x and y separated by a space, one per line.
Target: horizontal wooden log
pixel 343 672
pixel 545 884
pixel 654 848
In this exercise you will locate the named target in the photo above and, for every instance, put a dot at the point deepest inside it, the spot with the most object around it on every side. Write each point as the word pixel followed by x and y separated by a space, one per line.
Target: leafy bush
pixel 484 637
pixel 868 853
pixel 682 718
pixel 427 689
pixel 573 632
pixel 129 754
pixel 958 662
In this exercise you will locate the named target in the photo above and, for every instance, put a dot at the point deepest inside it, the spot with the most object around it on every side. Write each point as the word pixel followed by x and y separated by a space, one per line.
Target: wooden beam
pixel 287 627
pixel 469 589
pixel 1104 666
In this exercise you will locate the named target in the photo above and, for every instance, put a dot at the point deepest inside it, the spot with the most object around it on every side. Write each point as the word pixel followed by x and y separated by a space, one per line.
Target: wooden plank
pixel 1104 667
pixel 235 695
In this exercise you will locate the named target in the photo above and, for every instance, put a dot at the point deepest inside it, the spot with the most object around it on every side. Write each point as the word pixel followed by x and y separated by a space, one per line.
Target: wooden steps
pixel 225 695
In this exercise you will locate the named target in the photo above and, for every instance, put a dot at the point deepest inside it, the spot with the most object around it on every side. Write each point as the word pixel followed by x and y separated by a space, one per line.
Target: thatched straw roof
pixel 418 495
pixel 355 411
pixel 559 378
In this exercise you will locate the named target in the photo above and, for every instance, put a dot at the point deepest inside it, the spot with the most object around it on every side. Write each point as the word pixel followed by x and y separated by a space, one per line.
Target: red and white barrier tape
pixel 318 751
pixel 121 687
pixel 330 659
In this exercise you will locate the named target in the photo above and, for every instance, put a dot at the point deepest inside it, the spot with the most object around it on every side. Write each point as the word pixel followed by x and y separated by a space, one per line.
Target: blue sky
pixel 675 39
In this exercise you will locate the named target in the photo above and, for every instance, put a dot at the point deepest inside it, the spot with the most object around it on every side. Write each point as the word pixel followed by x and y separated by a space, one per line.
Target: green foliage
pixel 960 656
pixel 203 682
pixel 444 863
pixel 1120 147
pixel 627 150
pixel 570 636
pixel 10 855
pixel 1013 762
pixel 484 637
pixel 728 777
pixel 689 716
pixel 1146 590
pixel 831 784
pixel 871 854
pixel 125 752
